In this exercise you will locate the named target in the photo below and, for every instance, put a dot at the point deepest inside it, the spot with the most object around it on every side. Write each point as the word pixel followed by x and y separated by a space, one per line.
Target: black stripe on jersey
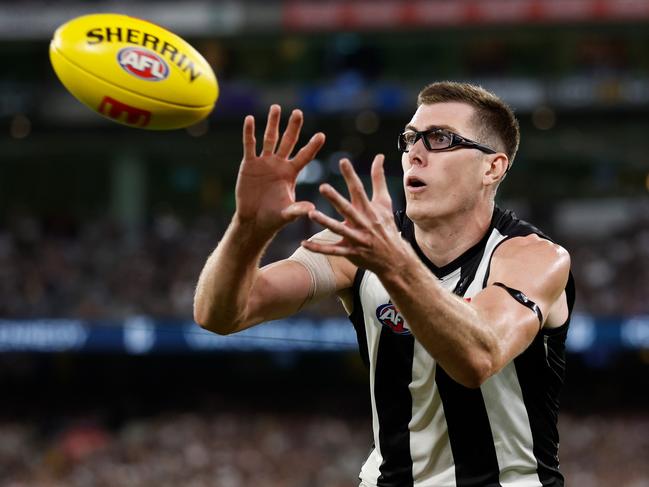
pixel 394 407
pixel 570 294
pixel 357 318
pixel 469 433
pixel 540 378
pixel 535 367
pixel 392 379
pixel 469 430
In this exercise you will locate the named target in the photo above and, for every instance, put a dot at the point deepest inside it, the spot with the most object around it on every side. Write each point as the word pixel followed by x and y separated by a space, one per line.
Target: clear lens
pixel 436 139
pixel 439 139
pixel 407 140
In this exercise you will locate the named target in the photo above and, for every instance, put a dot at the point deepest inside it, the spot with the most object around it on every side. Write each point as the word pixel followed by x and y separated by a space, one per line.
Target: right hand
pixel 265 192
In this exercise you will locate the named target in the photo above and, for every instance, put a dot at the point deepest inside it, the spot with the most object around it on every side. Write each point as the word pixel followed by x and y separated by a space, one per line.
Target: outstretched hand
pixel 265 192
pixel 371 239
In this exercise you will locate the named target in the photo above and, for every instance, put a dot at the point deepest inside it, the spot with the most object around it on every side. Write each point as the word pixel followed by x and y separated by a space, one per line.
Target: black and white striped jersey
pixel 430 431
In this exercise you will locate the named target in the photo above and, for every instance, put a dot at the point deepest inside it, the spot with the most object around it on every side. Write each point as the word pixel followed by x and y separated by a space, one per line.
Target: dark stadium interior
pixel 101 224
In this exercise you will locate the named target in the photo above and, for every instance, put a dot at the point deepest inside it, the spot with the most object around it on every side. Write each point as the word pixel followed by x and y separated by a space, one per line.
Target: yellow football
pixel 133 72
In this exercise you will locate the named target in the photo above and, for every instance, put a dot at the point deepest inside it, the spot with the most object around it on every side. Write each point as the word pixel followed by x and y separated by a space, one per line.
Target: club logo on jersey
pixel 390 317
pixel 143 64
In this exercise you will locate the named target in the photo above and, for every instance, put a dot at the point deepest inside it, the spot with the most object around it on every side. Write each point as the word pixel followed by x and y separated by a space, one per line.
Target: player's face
pixel 442 183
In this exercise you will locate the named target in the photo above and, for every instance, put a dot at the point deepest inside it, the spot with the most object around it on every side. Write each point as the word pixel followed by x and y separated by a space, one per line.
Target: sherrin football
pixel 133 72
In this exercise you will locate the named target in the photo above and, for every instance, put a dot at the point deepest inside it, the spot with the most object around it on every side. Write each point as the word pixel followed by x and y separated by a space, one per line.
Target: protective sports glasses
pixel 437 140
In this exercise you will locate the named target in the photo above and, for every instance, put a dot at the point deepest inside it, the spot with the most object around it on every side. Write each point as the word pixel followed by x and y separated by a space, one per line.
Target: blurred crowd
pixel 99 270
pixel 270 450
pixel 224 450
pixel 612 273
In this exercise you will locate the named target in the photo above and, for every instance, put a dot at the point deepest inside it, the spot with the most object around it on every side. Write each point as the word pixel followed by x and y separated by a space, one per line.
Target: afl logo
pixel 143 64
pixel 389 317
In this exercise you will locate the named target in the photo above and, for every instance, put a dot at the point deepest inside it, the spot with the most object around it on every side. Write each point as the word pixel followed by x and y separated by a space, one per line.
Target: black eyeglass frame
pixel 456 141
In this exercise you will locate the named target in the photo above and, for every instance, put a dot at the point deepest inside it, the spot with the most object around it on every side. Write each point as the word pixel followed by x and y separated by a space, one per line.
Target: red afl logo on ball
pixel 390 317
pixel 143 64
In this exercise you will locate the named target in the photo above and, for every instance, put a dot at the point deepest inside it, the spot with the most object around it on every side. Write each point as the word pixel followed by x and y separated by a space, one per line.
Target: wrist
pixel 402 269
pixel 250 228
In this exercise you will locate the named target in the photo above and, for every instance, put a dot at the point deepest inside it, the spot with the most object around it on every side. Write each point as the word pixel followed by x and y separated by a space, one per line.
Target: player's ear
pixel 496 166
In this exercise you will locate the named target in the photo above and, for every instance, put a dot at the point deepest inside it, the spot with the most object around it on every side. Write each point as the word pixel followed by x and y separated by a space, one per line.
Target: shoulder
pixel 531 258
pixel 532 246
pixel 525 243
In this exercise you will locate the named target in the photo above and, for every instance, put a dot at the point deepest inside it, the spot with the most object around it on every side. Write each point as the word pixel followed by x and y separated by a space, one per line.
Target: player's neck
pixel 445 239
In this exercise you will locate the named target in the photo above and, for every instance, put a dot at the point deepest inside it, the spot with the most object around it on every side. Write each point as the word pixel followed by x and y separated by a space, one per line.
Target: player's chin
pixel 420 209
pixel 417 209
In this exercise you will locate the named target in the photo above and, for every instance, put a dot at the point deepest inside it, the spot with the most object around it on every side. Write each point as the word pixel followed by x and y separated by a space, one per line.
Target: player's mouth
pixel 414 184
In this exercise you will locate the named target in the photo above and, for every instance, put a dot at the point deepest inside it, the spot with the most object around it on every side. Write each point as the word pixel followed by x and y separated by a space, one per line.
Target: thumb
pixel 297 209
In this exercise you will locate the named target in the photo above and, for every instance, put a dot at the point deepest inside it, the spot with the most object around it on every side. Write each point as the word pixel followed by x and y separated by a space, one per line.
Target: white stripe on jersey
pixel 428 423
pixel 476 285
pixel 507 413
pixel 372 291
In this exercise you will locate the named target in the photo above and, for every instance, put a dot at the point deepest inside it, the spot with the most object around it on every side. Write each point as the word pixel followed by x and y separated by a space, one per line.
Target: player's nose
pixel 417 154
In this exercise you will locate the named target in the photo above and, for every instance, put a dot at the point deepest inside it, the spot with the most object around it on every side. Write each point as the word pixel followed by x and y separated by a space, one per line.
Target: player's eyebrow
pixel 434 126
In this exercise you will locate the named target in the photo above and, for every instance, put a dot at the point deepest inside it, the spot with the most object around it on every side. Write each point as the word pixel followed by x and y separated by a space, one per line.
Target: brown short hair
pixel 497 126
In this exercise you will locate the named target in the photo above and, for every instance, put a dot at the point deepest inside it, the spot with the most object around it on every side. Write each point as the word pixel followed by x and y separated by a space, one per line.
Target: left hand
pixel 371 239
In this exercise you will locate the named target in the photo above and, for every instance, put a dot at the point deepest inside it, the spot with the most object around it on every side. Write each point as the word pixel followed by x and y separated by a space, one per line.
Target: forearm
pixel 450 329
pixel 227 278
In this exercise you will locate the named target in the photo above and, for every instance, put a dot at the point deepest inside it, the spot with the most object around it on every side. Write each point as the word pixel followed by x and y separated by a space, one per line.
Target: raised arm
pixel 232 292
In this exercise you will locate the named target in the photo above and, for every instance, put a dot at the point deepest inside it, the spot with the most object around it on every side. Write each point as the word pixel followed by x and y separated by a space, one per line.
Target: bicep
pixel 280 289
pixel 513 325
pixel 284 287
pixel 539 270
